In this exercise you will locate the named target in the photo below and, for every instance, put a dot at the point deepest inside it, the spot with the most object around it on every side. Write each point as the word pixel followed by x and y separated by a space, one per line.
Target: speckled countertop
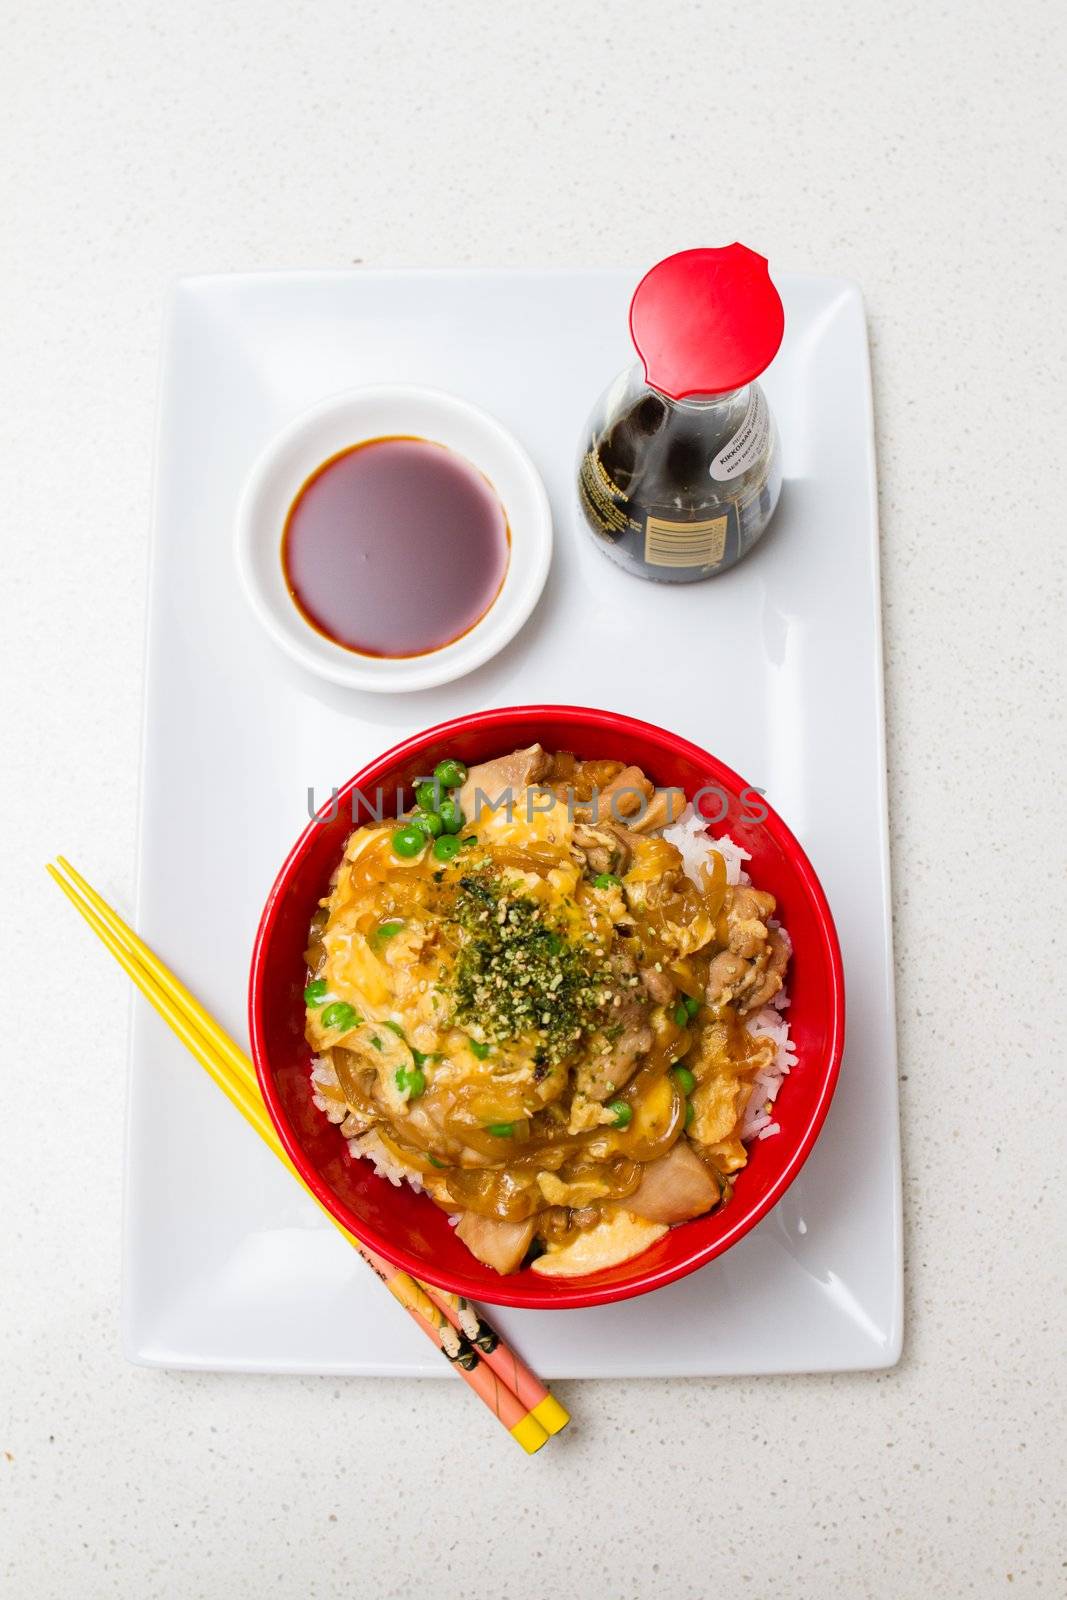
pixel 913 148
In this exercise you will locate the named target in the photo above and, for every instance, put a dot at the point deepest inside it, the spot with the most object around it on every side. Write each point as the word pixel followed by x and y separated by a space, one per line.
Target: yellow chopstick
pixel 543 1405
pixel 525 1407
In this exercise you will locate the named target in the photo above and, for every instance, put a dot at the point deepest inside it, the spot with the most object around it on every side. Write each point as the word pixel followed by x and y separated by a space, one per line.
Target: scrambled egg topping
pixel 529 1035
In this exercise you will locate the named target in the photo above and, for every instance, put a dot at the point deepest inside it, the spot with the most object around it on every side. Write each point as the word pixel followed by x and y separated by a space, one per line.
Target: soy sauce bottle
pixel 679 468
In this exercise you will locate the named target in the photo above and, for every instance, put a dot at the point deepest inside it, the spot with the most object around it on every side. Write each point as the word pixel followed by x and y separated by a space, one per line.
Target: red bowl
pixel 407 1228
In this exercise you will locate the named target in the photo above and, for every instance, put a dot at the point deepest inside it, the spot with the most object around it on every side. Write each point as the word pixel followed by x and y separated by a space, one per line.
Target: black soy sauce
pixel 396 547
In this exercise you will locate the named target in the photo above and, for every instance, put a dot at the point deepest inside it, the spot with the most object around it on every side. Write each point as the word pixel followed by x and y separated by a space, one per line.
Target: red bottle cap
pixel 705 321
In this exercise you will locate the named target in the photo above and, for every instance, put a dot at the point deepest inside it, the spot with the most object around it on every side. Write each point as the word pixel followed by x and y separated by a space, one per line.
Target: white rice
pixel 361 1146
pixel 769 1023
pixel 369 1147
pixel 690 835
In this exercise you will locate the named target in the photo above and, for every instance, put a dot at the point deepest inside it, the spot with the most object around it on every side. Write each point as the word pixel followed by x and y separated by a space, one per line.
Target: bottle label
pixel 602 500
pixel 685 544
pixel 749 443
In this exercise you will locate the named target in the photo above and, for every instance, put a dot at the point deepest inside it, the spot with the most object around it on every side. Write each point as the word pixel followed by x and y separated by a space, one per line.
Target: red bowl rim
pixel 644 1281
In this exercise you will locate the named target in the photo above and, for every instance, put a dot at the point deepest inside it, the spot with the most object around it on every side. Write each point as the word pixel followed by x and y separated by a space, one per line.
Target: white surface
pixel 913 149
pixel 336 423
pixel 227 1266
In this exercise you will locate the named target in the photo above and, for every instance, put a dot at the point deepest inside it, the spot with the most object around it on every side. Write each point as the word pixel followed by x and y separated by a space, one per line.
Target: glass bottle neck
pixel 701 402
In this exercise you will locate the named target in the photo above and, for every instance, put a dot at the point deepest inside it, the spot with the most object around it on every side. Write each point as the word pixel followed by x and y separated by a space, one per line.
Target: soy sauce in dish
pixel 395 547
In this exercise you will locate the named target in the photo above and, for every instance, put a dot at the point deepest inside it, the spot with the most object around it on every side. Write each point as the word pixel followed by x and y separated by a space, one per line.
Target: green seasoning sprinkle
pixel 684 1079
pixel 412 1083
pixel 315 993
pixel 478 1049
pixel 680 1014
pixel 606 880
pixel 394 1027
pixel 500 1130
pixel 376 1042
pixel 341 1015
pixel 516 974
pixel 623 1113
pixel 434 1161
pixel 692 1004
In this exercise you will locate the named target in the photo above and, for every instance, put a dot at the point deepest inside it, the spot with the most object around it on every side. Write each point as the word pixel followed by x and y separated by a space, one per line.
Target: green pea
pixel 452 774
pixel 427 822
pixel 434 1161
pixel 478 1049
pixel 428 794
pixel 316 992
pixel 692 1004
pixel 409 841
pixel 472 838
pixel 689 1113
pixel 412 1083
pixel 451 816
pixel 680 1014
pixel 606 880
pixel 622 1112
pixel 446 847
pixel 685 1080
pixel 386 930
pixel 341 1015
pixel 501 1130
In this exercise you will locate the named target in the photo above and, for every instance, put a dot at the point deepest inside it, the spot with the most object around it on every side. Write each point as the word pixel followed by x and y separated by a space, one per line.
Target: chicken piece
pixel 605 1071
pixel 665 807
pixel 748 985
pixel 751 970
pixel 602 848
pixel 616 1238
pixel 747 911
pixel 500 1245
pixel 608 803
pixel 491 784
pixel 624 795
pixel 614 1051
pixel 576 780
pixel 673 1188
pixel 726 976
pixel 659 986
pixel 774 972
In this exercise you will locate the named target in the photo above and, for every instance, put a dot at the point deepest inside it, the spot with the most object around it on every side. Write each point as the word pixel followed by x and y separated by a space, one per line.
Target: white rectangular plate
pixel 776 668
